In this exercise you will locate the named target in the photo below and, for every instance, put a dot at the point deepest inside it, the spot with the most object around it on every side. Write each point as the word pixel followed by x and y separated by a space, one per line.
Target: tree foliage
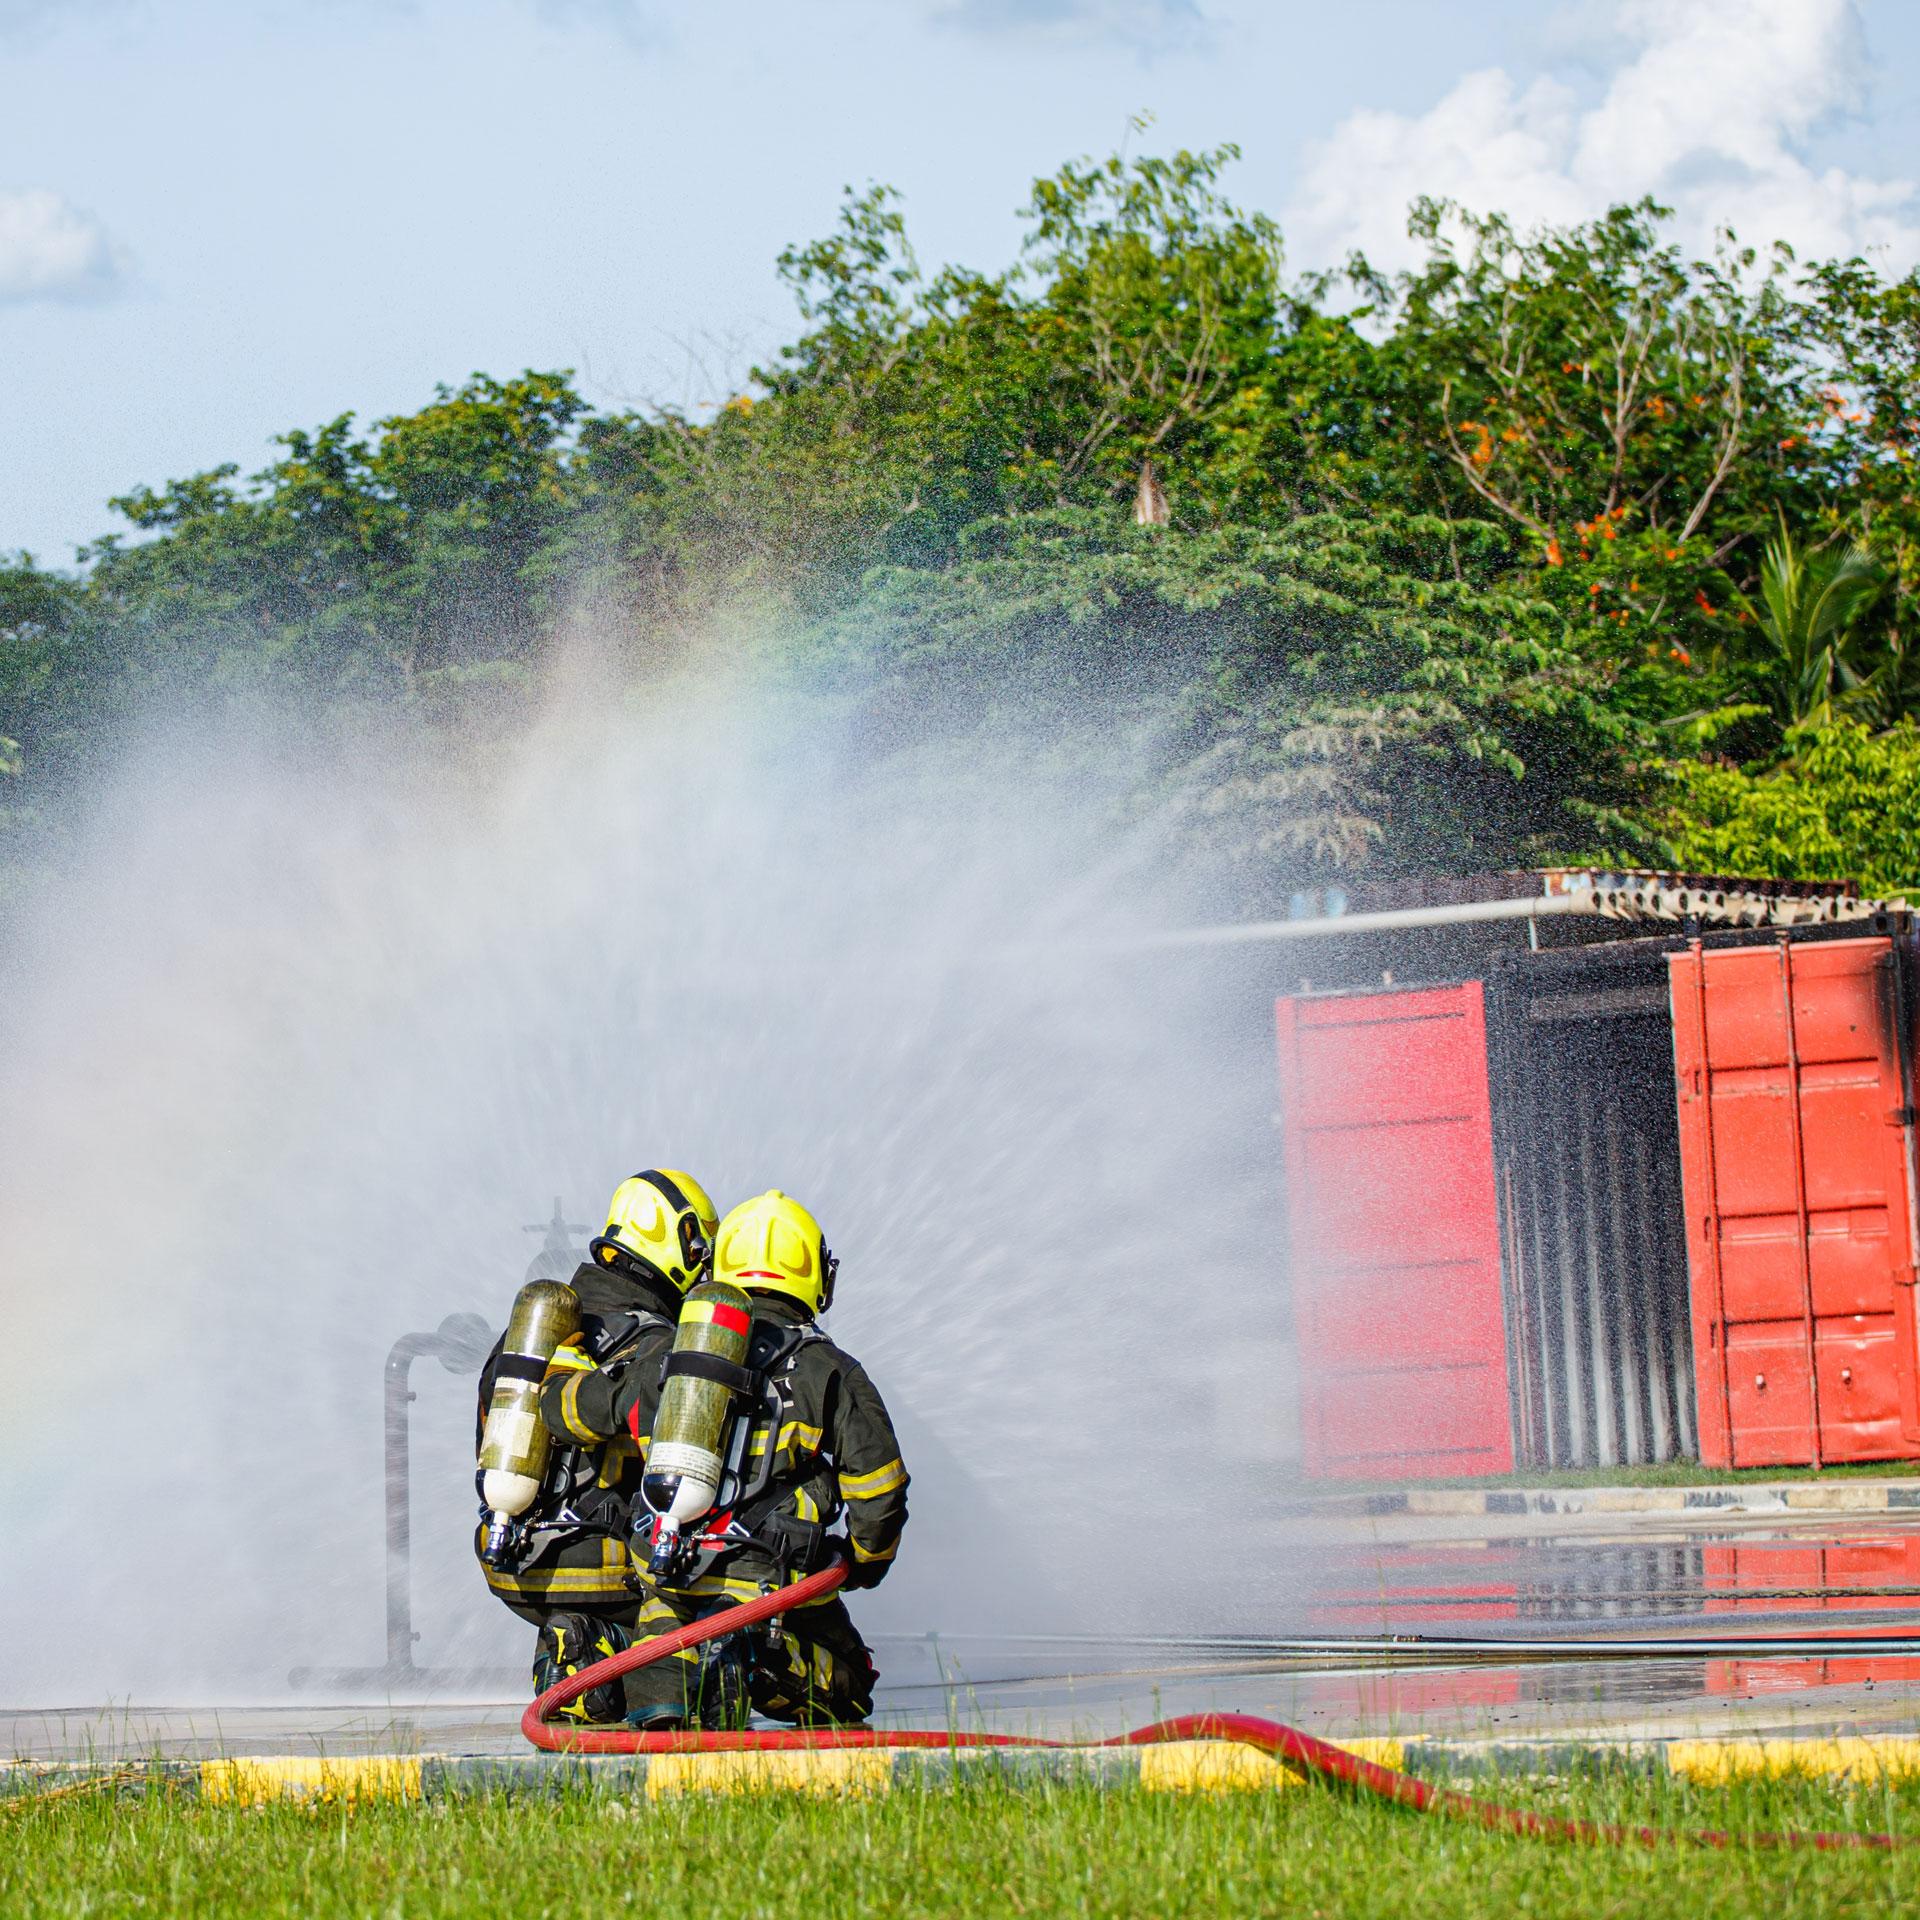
pixel 1843 805
pixel 1806 620
pixel 1452 560
pixel 1316 696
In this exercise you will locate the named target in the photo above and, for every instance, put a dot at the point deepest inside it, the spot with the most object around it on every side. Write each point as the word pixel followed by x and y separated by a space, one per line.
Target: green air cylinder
pixel 514 1443
pixel 705 1371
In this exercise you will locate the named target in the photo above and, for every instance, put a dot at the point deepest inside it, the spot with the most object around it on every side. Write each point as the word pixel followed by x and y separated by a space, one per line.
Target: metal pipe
pixel 1461 914
pixel 400 1634
pixel 1652 904
pixel 1453 1648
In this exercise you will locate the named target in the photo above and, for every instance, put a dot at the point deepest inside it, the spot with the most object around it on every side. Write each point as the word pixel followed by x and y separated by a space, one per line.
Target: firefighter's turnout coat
pixel 834 1453
pixel 833 1446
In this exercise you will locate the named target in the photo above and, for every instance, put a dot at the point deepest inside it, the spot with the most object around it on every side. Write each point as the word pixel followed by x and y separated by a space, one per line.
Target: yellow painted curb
pixel 252 1783
pixel 1209 1766
pixel 1713 1761
pixel 1226 1766
pixel 852 1771
pixel 1838 1498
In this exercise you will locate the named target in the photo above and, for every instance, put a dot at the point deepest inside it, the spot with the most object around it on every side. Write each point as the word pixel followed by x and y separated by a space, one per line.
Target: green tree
pixel 1844 805
pixel 36 613
pixel 1807 620
pixel 1433 569
pixel 1159 304
pixel 1325 697
pixel 1636 418
pixel 1137 330
pixel 355 560
pixel 1862 340
pixel 36 683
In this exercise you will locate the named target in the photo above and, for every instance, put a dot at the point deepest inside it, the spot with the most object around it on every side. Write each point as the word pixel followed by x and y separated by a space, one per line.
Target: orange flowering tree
pixel 1633 417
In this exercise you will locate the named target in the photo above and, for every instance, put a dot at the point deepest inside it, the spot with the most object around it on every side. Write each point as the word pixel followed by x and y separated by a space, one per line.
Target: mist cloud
pixel 305 1040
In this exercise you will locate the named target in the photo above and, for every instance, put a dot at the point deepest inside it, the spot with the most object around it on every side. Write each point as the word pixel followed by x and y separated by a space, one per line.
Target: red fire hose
pixel 1268 1736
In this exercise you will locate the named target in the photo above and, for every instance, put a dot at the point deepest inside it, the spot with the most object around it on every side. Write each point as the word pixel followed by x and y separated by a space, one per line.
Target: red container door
pixel 1796 1155
pixel 1395 1237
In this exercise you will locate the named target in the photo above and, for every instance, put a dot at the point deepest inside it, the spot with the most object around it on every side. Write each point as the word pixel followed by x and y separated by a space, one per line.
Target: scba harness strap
pixel 710 1366
pixel 572 1501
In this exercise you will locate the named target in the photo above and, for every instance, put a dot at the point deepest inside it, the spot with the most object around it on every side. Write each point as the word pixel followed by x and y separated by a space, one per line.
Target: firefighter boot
pixel 723 1701
pixel 570 1641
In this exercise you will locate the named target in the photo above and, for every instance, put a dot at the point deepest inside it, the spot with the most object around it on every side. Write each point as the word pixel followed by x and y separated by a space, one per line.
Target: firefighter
pixel 833 1455
pixel 574 1582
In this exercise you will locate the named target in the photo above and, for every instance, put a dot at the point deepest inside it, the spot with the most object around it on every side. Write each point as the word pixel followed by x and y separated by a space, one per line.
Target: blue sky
pixel 219 220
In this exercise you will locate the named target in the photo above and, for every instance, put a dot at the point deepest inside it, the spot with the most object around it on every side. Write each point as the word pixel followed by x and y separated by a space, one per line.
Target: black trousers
pixel 809 1667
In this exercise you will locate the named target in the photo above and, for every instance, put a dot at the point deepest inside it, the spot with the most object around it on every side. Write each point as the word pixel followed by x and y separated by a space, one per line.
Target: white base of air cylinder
pixel 508 1493
pixel 698 1472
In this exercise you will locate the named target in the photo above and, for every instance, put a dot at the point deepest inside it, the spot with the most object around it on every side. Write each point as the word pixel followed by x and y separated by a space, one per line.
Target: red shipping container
pixel 1796 1161
pixel 1395 1243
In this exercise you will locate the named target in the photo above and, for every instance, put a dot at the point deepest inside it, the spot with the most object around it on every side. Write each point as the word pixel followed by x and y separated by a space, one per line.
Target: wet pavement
pixel 1414 1575
pixel 1601 1577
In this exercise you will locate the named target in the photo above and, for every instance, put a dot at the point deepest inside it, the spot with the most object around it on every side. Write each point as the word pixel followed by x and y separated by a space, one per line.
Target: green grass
pixel 976 1850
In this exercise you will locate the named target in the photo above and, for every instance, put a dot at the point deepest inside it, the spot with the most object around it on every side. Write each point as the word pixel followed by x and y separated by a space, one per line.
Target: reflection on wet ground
pixel 1386 1586
pixel 1417 1578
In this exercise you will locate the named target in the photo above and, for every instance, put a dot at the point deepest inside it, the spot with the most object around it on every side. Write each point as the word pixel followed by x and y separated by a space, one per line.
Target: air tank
pixel 514 1442
pixel 705 1372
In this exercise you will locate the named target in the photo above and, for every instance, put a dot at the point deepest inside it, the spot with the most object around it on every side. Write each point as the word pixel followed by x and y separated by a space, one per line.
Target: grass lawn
pixel 976 1850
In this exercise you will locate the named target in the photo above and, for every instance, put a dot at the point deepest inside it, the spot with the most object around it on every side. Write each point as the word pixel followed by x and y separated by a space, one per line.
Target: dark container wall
pixel 1586 1147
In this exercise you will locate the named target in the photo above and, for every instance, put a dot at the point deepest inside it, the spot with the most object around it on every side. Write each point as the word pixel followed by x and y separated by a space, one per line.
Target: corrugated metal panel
pixel 1395 1253
pixel 1589 1172
pixel 1796 1149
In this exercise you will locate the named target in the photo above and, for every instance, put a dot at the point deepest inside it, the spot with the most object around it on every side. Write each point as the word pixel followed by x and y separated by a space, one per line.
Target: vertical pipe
pixel 1665 1230
pixel 1568 1339
pixel 1599 1328
pixel 1628 1300
pixel 1526 1423
pixel 1662 1392
pixel 1543 1201
pixel 400 1634
pixel 1577 1243
pixel 1504 1002
pixel 1576 1330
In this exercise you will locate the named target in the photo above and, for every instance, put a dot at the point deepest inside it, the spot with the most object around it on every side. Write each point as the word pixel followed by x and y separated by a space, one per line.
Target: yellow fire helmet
pixel 662 1223
pixel 772 1244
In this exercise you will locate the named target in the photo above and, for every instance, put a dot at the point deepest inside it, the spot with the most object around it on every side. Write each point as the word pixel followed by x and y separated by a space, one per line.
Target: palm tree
pixel 1808 616
pixel 1891 692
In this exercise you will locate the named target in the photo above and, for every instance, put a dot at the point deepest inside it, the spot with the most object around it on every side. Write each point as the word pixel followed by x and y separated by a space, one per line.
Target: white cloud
pixel 1710 113
pixel 52 250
